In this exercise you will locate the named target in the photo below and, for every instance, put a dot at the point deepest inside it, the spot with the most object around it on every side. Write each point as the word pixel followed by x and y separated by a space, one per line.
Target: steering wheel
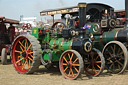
pixel 27 25
pixel 59 25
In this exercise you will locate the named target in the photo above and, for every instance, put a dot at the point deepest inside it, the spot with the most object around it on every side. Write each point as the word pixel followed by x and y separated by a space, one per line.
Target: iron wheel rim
pixel 22 46
pixel 70 65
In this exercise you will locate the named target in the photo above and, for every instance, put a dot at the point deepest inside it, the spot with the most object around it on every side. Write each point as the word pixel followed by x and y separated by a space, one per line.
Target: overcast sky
pixel 29 8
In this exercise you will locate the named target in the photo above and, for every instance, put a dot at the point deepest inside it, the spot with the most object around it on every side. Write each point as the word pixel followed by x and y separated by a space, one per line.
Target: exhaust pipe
pixel 126 11
pixel 82 14
pixel 82 20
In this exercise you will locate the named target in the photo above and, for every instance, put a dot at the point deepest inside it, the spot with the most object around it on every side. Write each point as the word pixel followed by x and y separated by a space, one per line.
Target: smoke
pixel 62 3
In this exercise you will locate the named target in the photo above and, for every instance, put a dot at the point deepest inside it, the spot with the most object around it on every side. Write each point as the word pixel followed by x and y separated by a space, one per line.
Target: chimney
pixel 82 14
pixel 82 20
pixel 126 11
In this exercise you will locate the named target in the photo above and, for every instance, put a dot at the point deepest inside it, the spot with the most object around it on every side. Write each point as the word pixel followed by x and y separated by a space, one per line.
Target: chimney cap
pixel 82 4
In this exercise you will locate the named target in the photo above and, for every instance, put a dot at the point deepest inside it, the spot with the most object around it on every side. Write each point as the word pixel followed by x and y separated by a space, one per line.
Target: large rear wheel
pixel 116 57
pixel 26 53
pixel 71 64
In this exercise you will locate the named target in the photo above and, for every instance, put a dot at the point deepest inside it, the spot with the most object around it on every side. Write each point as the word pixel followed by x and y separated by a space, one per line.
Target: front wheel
pixel 71 64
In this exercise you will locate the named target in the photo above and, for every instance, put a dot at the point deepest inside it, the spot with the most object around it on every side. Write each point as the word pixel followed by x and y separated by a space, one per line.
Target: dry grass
pixel 9 76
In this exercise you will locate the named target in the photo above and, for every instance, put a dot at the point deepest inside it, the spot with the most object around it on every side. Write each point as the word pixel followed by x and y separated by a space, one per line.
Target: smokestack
pixel 82 20
pixel 82 14
pixel 126 11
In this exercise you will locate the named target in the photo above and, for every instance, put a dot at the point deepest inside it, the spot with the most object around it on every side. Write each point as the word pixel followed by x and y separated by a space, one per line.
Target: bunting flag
pixel 86 27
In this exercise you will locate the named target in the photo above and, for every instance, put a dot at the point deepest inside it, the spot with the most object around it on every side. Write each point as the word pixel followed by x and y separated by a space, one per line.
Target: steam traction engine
pixel 111 38
pixel 69 47
pixel 6 37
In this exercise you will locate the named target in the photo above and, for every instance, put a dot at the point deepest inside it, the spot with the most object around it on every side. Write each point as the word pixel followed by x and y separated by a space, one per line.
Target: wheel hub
pixel 93 62
pixel 69 64
pixel 113 58
pixel 24 54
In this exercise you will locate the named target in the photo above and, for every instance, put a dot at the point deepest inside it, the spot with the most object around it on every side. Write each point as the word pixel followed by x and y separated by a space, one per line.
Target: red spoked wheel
pixel 71 64
pixel 26 54
pixel 59 25
pixel 94 64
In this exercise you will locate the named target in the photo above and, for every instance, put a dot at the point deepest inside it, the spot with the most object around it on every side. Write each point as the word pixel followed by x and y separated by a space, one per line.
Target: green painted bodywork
pixel 95 28
pixel 56 44
pixel 102 37
pixel 35 32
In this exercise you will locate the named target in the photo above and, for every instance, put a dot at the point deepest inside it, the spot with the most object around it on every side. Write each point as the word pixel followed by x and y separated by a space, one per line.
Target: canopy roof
pixel 74 9
pixel 6 20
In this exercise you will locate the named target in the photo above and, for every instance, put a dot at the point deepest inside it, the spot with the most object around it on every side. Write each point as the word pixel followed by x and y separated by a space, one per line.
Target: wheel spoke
pixel 76 69
pixel 22 45
pixel 69 72
pixel 111 65
pixel 97 57
pixel 72 72
pixel 21 48
pixel 94 69
pixel 109 53
pixel 120 53
pixel 112 49
pixel 19 56
pixel 30 52
pixel 29 46
pixel 65 59
pixel 75 60
pixel 27 63
pixel 76 64
pixel 118 66
pixel 23 65
pixel 18 51
pixel 121 58
pixel 26 43
pixel 65 68
pixel 88 66
pixel 64 64
pixel 71 56
pixel 98 61
pixel 31 55
pixel 19 60
pixel 98 66
pixel 119 63
pixel 30 58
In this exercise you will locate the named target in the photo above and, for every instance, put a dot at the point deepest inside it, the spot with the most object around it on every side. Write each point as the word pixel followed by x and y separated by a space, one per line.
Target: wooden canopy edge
pixel 7 20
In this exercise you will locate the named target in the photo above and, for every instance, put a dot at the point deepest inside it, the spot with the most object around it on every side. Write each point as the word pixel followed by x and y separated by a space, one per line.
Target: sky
pixel 13 9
